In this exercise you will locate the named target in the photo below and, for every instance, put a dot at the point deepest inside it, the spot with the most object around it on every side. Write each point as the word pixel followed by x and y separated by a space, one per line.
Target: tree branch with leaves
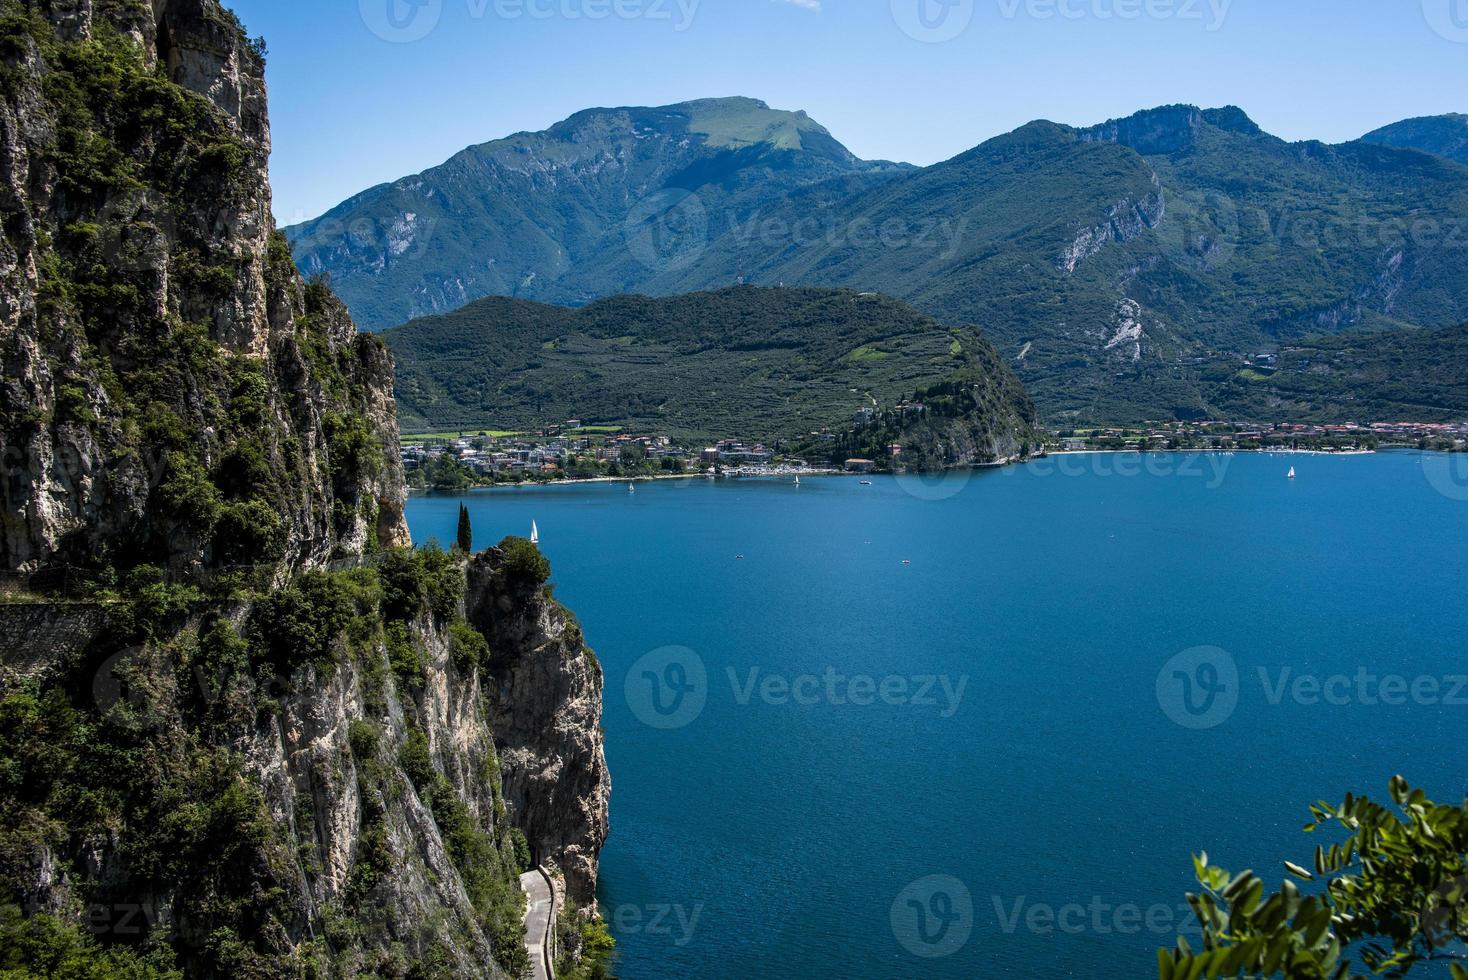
pixel 1393 893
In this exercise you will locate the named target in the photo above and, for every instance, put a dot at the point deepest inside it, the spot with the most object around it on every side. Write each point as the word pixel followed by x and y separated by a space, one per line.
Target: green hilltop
pixel 759 364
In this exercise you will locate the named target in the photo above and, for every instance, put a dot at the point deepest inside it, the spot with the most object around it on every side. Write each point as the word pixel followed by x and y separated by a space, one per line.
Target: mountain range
pixel 1127 270
pixel 549 216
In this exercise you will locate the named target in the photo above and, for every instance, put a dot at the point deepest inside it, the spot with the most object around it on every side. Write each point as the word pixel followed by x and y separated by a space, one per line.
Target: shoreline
pixel 1229 452
pixel 828 472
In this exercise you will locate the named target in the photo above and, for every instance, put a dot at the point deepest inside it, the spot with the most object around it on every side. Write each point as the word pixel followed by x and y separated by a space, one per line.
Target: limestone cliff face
pixel 544 698
pixel 265 743
pixel 349 805
pixel 1126 220
pixel 361 795
pixel 153 330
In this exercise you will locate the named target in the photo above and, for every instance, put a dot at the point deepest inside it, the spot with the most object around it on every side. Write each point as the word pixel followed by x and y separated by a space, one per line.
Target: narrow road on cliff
pixel 538 923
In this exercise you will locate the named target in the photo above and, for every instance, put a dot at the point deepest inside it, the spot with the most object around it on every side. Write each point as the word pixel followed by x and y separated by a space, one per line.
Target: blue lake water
pixel 1036 817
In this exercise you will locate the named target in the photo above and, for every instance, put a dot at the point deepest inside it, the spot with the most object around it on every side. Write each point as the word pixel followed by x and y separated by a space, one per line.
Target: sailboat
pixel 631 488
pixel 1292 473
pixel 534 533
pixel 797 481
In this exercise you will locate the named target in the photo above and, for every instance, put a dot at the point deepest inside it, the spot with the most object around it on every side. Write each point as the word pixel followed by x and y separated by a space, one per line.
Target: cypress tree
pixel 466 533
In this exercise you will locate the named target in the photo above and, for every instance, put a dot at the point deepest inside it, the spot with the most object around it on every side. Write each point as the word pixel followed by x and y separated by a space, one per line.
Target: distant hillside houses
pixel 735 453
pixel 490 456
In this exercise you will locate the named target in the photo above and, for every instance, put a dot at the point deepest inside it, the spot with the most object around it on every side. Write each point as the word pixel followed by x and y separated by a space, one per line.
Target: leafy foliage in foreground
pixel 587 949
pixel 1394 892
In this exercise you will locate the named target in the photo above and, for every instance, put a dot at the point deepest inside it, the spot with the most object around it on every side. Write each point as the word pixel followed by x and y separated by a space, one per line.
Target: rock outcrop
pixel 1126 220
pixel 543 693
pixel 153 329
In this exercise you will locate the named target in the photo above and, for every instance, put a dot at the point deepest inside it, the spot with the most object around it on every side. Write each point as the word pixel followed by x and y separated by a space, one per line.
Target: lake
pixel 996 760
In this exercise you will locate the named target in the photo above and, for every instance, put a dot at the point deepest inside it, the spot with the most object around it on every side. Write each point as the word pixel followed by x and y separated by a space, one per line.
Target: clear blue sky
pixel 352 109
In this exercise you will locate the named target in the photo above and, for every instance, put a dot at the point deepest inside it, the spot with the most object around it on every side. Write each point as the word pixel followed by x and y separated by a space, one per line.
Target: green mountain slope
pixel 1408 375
pixel 569 214
pixel 1445 136
pixel 767 364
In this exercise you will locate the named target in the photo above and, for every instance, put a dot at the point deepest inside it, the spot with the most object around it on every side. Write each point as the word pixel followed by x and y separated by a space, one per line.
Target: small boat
pixel 631 488
pixel 907 562
pixel 797 481
pixel 534 533
pixel 866 483
pixel 1292 473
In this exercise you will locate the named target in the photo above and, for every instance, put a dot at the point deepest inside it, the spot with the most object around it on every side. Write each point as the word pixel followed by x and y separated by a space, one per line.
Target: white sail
pixel 1292 472
pixel 534 533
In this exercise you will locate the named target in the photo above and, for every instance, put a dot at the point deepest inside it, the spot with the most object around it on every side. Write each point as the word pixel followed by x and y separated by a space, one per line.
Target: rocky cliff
pixel 254 734
pixel 543 694
pixel 173 393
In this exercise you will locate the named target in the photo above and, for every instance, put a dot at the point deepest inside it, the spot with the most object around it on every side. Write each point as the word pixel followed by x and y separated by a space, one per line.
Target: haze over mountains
pixel 1127 270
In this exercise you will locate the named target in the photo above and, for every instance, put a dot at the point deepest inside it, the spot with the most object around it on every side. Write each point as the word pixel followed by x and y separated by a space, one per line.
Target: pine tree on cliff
pixel 466 532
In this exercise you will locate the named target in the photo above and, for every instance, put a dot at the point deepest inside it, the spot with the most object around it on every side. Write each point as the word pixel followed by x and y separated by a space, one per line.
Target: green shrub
pixel 415 580
pixel 73 405
pixel 417 761
pixel 364 738
pixel 244 472
pixel 186 493
pixel 468 647
pixel 521 848
pixel 443 581
pixel 249 533
pixel 42 946
pixel 353 449
pixel 302 622
pixel 405 656
pixel 523 562
pixel 401 574
pixel 591 939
